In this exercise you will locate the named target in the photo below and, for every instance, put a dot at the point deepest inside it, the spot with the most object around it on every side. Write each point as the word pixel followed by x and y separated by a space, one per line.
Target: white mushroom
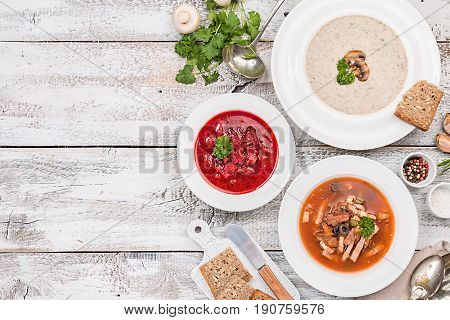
pixel 186 18
pixel 222 3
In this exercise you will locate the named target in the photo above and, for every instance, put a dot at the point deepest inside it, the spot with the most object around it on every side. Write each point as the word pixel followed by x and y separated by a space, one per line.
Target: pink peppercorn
pixel 416 169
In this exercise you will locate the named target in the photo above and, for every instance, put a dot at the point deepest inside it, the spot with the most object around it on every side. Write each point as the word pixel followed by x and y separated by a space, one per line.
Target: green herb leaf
pixel 203 49
pixel 202 62
pixel 210 50
pixel 213 49
pixel 212 16
pixel 252 31
pixel 240 40
pixel 253 24
pixel 219 41
pixel 185 75
pixel 367 227
pixel 344 76
pixel 254 18
pixel 445 164
pixel 184 47
pixel 211 4
pixel 232 20
pixel 210 78
pixel 342 65
pixel 222 16
pixel 203 34
pixel 223 147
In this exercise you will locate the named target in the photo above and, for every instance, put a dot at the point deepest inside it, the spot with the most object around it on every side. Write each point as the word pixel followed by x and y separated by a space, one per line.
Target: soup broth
pixel 341 209
pixel 386 57
pixel 252 157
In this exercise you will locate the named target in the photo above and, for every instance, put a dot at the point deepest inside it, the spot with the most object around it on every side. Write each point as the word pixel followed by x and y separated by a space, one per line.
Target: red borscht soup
pixel 236 152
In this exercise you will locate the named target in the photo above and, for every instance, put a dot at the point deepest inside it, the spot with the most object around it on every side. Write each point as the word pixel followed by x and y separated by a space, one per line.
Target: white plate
pixel 202 189
pixel 356 283
pixel 354 132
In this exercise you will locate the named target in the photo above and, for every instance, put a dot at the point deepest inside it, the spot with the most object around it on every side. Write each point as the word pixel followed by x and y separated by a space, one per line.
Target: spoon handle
pixel 266 23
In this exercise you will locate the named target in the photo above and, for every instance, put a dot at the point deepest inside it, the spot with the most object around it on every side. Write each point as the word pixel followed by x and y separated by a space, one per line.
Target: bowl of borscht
pixel 236 152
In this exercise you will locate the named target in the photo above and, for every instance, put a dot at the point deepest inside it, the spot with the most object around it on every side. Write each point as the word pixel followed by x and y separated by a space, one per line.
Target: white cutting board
pixel 200 232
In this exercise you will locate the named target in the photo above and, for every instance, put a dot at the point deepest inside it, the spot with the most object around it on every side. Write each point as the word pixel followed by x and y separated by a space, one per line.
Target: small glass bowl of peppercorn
pixel 418 170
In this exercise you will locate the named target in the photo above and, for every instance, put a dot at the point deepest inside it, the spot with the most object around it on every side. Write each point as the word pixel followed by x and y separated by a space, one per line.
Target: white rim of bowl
pixel 204 190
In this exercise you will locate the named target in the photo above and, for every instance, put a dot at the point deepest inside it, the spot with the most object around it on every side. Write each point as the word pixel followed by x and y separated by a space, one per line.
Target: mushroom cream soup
pixel 383 57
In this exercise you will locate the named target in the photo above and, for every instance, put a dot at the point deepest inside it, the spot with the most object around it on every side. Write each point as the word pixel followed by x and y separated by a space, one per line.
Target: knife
pixel 242 240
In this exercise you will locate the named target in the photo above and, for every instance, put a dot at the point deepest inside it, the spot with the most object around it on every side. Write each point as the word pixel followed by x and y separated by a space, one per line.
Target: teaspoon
pixel 444 290
pixel 426 278
pixel 244 60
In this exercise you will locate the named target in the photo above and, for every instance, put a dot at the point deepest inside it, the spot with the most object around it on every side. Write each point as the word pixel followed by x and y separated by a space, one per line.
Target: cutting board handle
pixel 200 232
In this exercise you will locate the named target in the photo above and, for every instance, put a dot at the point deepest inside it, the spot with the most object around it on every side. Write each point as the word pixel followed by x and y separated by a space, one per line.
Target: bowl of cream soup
pixel 340 67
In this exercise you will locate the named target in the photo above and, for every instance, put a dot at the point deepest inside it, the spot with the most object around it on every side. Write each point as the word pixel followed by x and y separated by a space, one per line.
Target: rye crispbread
pixel 236 289
pixel 419 104
pixel 218 271
pixel 260 295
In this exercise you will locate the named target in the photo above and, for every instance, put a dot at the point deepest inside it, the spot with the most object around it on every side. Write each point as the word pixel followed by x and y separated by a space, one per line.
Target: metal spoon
pixel 426 278
pixel 444 290
pixel 244 60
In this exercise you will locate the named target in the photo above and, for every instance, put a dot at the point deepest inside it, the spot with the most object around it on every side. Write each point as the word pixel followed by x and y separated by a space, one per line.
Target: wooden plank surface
pixel 143 20
pixel 77 94
pixel 94 199
pixel 94 223
pixel 113 276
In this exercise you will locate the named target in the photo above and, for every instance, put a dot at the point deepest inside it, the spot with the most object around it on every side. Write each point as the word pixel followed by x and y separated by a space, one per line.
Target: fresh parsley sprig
pixel 366 226
pixel 344 76
pixel 203 48
pixel 223 147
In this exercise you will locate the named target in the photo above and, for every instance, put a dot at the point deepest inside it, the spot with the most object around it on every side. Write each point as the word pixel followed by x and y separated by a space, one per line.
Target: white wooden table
pixel 79 80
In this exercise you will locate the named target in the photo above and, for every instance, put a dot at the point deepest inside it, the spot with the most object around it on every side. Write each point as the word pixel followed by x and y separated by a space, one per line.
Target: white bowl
pixel 430 206
pixel 312 115
pixel 214 197
pixel 432 170
pixel 366 281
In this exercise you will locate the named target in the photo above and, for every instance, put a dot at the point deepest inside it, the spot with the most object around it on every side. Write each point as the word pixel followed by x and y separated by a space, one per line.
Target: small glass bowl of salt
pixel 438 200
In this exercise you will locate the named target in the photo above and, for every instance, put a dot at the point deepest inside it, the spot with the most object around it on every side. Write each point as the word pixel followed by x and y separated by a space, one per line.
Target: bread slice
pixel 419 105
pixel 236 289
pixel 218 271
pixel 260 295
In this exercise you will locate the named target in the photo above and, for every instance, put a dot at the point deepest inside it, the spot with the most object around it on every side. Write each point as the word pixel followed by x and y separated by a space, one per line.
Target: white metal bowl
pixel 366 281
pixel 312 115
pixel 214 197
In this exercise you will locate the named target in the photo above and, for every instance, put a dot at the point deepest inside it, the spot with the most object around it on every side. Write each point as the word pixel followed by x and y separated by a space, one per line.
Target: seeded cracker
pixel 218 271
pixel 236 289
